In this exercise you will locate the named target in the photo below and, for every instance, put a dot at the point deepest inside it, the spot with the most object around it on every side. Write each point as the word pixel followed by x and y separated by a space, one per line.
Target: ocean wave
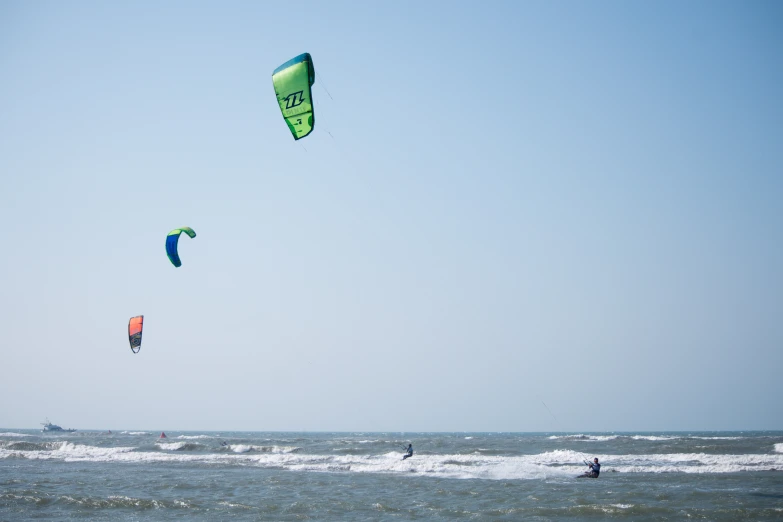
pixel 647 437
pixel 119 501
pixel 350 442
pixel 556 464
pixel 196 437
pixel 580 436
pixel 235 505
pixel 180 446
pixel 63 450
pixel 20 445
pixel 246 448
pixel 12 434
pixel 717 438
pixel 135 432
pixel 654 438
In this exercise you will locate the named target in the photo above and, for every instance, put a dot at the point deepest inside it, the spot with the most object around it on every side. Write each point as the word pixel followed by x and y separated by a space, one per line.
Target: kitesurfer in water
pixel 595 469
pixel 409 452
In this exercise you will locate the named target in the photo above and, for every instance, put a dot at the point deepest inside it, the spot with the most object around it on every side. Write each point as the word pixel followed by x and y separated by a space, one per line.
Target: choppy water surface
pixel 135 475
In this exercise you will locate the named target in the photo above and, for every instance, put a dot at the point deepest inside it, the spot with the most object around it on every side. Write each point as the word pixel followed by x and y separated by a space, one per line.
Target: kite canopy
pixel 292 82
pixel 135 325
pixel 171 243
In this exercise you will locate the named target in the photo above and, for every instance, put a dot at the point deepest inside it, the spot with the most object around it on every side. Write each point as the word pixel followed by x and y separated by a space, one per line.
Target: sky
pixel 511 216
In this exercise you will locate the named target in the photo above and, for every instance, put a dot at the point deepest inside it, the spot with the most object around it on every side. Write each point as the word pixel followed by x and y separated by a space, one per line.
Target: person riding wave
pixel 409 452
pixel 595 469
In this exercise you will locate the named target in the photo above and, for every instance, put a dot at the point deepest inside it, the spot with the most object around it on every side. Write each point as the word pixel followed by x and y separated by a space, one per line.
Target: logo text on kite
pixel 294 100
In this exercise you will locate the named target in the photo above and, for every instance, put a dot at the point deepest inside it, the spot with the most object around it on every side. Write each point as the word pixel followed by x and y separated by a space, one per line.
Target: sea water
pixel 135 475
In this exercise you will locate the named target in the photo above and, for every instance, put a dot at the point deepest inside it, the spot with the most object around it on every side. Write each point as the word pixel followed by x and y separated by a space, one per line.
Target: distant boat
pixel 48 426
pixel 162 435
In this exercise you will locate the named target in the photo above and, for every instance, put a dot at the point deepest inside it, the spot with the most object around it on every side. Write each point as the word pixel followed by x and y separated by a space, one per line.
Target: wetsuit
pixel 409 453
pixel 595 469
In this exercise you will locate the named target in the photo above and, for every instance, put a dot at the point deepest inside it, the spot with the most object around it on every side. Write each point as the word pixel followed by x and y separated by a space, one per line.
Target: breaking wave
pixel 181 446
pixel 564 464
pixel 584 437
pixel 652 438
pixel 247 448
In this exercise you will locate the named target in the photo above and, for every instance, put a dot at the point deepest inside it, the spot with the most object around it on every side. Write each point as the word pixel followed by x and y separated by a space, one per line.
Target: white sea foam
pixel 171 446
pixel 558 464
pixel 656 438
pixel 695 463
pixel 582 437
pixel 652 438
pixel 195 437
pixel 135 432
pixel 718 438
pixel 779 447
pixel 612 508
pixel 232 505
pixel 245 448
pixel 68 451
pixel 12 434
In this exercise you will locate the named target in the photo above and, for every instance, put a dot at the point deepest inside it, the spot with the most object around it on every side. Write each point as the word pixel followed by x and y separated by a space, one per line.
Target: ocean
pixel 135 475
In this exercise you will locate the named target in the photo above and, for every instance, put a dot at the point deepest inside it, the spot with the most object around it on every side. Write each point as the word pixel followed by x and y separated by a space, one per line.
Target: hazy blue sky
pixel 579 203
